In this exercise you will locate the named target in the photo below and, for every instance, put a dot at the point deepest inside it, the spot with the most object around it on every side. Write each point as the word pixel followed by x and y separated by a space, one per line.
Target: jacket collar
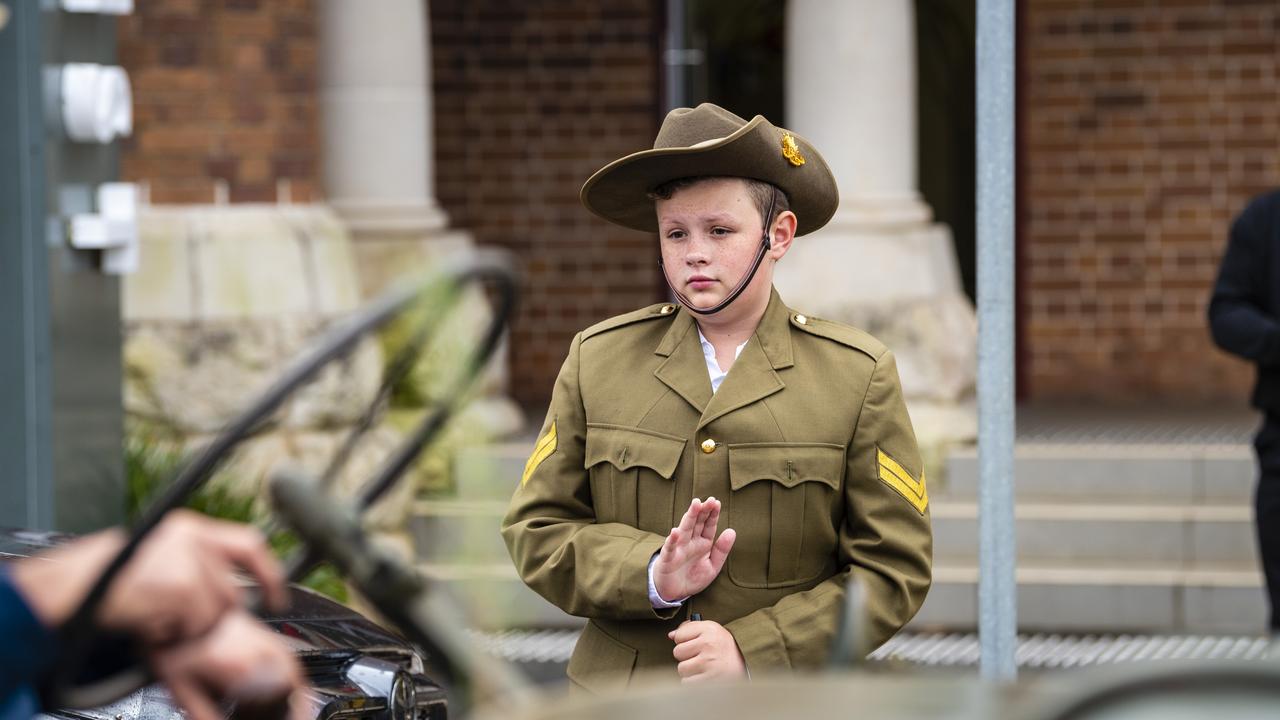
pixel 753 375
pixel 774 332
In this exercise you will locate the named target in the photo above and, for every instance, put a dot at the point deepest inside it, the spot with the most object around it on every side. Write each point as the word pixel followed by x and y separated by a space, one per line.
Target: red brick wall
pixel 1147 126
pixel 530 99
pixel 223 90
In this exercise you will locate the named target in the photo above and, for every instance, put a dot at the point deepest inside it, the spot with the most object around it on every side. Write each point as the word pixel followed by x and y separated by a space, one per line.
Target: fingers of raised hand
pixel 712 518
pixel 671 549
pixel 720 550
pixel 700 522
pixel 689 520
pixel 669 542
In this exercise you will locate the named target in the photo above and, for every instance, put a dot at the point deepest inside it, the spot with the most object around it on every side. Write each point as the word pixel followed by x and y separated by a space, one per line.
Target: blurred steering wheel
pixel 421 306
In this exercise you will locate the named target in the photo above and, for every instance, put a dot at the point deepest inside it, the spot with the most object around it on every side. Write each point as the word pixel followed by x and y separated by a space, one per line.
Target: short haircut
pixel 760 192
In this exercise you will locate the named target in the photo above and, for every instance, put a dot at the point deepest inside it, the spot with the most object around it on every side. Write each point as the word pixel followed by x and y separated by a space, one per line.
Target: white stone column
pixel 851 85
pixel 378 149
pixel 881 263
pixel 378 163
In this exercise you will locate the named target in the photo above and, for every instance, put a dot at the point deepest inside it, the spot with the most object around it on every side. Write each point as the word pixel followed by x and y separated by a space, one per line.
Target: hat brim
pixel 619 192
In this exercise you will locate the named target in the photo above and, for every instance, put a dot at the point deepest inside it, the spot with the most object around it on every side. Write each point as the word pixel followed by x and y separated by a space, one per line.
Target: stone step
pixel 1186 536
pixel 1190 536
pixel 1107 598
pixel 493 597
pixel 490 472
pixel 1096 473
pixel 458 531
pixel 1111 538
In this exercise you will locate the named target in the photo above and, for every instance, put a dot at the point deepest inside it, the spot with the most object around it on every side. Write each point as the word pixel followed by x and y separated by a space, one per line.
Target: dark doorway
pixel 946 55
pixel 741 47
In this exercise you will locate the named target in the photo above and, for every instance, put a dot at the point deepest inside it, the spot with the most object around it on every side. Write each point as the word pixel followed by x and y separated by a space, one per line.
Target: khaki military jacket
pixel 807 443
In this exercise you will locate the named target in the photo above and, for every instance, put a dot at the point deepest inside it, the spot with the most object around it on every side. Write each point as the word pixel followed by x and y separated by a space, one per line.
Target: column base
pixel 384 256
pixel 847 263
pixel 882 212
pixel 902 285
pixel 406 219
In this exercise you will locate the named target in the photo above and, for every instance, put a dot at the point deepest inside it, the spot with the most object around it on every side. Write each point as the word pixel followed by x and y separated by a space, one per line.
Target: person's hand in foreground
pixel 692 555
pixel 705 650
pixel 180 596
pixel 176 587
pixel 238 661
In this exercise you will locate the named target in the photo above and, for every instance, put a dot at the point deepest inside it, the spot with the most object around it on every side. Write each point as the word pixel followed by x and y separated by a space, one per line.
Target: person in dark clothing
pixel 1244 316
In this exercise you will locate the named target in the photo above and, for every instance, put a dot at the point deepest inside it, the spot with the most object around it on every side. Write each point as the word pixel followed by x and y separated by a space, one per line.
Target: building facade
pixel 1145 126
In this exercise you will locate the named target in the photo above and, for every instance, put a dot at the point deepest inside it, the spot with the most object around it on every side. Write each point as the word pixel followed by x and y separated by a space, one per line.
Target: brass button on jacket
pixel 708 446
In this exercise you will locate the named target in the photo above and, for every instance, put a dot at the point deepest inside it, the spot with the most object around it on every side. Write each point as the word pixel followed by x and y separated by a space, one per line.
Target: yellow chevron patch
pixel 546 445
pixel 896 477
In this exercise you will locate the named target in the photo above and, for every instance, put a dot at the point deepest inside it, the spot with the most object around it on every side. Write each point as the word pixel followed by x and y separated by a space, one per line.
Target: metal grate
pixel 528 646
pixel 1049 652
pixel 1142 425
pixel 950 650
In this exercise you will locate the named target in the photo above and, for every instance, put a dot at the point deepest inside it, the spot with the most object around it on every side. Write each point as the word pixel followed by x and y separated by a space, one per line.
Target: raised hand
pixel 692 555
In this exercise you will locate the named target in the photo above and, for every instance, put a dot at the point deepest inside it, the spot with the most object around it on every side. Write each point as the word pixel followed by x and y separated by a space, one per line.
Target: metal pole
pixel 997 582
pixel 673 56
pixel 26 485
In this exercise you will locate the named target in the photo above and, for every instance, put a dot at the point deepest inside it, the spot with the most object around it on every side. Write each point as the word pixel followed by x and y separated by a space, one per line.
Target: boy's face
pixel 709 235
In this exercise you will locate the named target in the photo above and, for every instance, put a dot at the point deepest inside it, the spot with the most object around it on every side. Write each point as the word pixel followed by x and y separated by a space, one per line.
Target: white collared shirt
pixel 713 366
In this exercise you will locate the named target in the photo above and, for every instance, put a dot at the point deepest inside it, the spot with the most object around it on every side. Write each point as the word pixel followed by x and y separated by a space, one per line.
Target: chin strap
pixel 766 243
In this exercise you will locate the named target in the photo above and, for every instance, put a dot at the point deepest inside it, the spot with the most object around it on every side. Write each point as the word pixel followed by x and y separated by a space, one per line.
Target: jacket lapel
pixel 754 375
pixel 750 379
pixel 685 369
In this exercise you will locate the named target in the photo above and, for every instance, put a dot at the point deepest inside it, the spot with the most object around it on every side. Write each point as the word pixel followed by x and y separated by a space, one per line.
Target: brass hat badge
pixel 791 151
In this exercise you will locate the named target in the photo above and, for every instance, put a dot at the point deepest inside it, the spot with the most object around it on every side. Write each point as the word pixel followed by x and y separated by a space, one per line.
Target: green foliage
pixel 324 579
pixel 152 461
pixel 419 325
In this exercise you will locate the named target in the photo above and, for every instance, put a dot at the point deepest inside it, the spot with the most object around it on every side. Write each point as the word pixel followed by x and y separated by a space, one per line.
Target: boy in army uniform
pixel 792 428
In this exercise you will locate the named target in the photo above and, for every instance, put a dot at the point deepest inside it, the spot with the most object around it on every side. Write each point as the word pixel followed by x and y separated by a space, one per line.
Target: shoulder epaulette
pixel 653 312
pixel 841 333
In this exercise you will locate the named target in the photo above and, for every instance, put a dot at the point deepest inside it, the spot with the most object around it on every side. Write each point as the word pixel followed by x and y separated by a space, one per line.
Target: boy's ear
pixel 784 231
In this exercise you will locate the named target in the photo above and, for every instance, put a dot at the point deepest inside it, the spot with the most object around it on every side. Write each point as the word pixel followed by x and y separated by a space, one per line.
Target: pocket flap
pixel 627 447
pixel 787 463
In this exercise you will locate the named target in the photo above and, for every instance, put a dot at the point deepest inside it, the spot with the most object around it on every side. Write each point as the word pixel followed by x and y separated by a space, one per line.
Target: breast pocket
pixel 781 507
pixel 631 473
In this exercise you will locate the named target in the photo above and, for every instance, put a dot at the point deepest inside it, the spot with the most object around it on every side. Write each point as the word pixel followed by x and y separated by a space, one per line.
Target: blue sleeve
pixel 26 652
pixel 1238 316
